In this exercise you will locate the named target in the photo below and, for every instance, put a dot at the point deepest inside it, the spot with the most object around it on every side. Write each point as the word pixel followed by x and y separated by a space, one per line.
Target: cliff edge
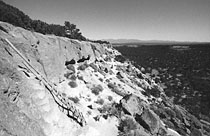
pixel 70 87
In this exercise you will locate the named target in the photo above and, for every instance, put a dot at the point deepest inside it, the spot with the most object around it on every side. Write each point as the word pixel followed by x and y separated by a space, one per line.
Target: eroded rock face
pixel 13 121
pixel 31 102
pixel 98 94
pixel 50 53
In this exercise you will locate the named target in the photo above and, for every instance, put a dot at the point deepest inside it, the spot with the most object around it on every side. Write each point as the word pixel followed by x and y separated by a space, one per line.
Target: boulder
pixel 136 107
pixel 132 105
pixel 149 120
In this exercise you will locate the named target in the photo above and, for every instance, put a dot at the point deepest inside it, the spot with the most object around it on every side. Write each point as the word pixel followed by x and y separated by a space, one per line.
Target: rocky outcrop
pixel 133 105
pixel 60 50
pixel 50 56
pixel 81 82
pixel 136 108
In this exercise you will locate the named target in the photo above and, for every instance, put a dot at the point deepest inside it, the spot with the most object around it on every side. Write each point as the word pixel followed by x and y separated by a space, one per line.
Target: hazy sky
pixel 181 20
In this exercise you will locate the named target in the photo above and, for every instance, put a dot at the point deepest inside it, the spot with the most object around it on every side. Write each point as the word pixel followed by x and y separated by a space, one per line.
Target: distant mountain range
pixel 131 41
pixel 137 41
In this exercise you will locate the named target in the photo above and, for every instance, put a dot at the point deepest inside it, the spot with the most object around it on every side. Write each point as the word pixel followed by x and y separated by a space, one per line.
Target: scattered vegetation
pixel 111 109
pixel 71 31
pixel 111 72
pixel 107 80
pixel 140 76
pixel 83 66
pixel 81 78
pixel 127 124
pixel 111 85
pixel 106 70
pixel 101 42
pixel 97 89
pixel 110 98
pixel 70 76
pixel 115 89
pixel 89 99
pixel 108 58
pixel 120 58
pixel 67 75
pixel 72 84
pixel 73 77
pixel 153 91
pixel 89 112
pixel 100 101
pixel 63 94
pixel 74 99
pixel 101 79
pixel 71 68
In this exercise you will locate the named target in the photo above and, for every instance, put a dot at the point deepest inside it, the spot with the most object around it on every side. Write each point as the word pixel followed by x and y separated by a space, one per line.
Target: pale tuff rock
pixel 94 91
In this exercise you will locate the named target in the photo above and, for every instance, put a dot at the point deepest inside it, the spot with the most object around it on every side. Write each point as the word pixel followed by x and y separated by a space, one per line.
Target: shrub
pixel 101 79
pixel 111 85
pixel 89 112
pixel 127 124
pixel 107 80
pixel 80 77
pixel 83 66
pixel 153 91
pixel 110 98
pixel 72 84
pixel 114 89
pixel 97 89
pixel 89 99
pixel 111 72
pixel 100 101
pixel 117 91
pixel 120 58
pixel 67 75
pixel 63 94
pixel 73 77
pixel 74 99
pixel 106 70
pixel 107 59
pixel 111 109
pixel 71 68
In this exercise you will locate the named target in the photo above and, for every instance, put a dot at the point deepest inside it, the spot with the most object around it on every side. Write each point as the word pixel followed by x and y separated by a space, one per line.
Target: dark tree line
pixel 16 17
pixel 100 41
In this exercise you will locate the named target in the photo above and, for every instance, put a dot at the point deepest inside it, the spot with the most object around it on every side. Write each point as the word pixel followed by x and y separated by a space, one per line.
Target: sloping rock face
pixel 136 107
pixel 94 91
pixel 51 52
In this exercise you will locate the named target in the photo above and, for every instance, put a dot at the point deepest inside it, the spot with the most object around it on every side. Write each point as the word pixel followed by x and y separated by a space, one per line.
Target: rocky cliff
pixel 68 87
